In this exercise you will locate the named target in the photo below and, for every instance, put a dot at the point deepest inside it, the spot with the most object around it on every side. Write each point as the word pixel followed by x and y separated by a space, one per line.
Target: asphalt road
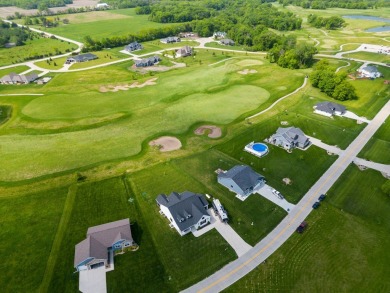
pixel 254 257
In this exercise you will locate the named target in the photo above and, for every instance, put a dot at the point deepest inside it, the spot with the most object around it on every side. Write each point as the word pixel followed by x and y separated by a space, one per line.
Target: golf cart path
pixel 255 256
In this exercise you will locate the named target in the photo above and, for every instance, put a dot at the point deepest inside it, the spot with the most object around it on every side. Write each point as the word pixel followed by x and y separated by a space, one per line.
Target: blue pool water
pixel 259 147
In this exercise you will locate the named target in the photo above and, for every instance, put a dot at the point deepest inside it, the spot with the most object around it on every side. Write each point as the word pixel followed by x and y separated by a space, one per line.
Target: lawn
pixel 16 69
pixel 219 46
pixel 28 223
pixel 377 57
pixel 345 248
pixel 206 254
pixel 377 148
pixel 252 219
pixel 156 45
pixel 33 49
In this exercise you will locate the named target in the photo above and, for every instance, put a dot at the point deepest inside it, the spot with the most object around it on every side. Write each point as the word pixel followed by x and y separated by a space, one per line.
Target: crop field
pixel 101 24
pixel 344 248
pixel 34 48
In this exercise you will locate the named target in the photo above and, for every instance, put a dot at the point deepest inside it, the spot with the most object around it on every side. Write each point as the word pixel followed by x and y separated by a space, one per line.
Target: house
pixel 102 6
pixel 43 80
pixel 93 252
pixel 170 40
pixel 329 109
pixel 134 46
pixel 289 138
pixel 227 42
pixel 369 71
pixel 14 78
pixel 184 51
pixel 219 35
pixel 186 211
pixel 147 61
pixel 80 58
pixel 242 180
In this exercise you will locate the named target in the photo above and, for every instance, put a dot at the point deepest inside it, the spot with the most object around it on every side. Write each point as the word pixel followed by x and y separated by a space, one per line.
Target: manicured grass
pixel 103 57
pixel 252 219
pixel 217 45
pixel 34 48
pixel 205 254
pixel 53 64
pixel 377 57
pixel 156 45
pixel 16 69
pixel 344 249
pixel 28 224
pixel 5 113
pixel 377 148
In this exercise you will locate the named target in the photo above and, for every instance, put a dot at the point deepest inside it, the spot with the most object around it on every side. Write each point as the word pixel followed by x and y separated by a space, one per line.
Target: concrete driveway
pixel 93 281
pixel 266 191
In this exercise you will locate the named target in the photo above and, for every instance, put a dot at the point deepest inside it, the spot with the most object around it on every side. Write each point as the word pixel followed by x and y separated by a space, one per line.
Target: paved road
pixel 254 257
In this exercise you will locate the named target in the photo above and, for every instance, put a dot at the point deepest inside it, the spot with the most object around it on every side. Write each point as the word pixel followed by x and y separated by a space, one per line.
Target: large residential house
pixel 227 42
pixel 289 138
pixel 147 61
pixel 242 180
pixel 184 52
pixel 219 35
pixel 369 71
pixel 80 58
pixel 170 40
pixel 134 46
pixel 14 78
pixel 93 252
pixel 186 211
pixel 329 109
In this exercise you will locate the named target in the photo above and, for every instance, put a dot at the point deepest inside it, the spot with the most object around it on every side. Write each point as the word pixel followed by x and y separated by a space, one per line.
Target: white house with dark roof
pixel 369 71
pixel 81 58
pixel 170 40
pixel 93 252
pixel 134 46
pixel 185 211
pixel 289 138
pixel 329 109
pixel 242 180
pixel 147 61
pixel 219 35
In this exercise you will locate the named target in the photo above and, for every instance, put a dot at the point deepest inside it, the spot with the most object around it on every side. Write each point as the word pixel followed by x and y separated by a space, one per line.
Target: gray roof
pixel 243 176
pixel 227 42
pixel 370 68
pixel 292 134
pixel 186 208
pixel 330 107
pixel 18 78
pixel 186 50
pixel 170 39
pixel 83 57
pixel 100 238
pixel 148 61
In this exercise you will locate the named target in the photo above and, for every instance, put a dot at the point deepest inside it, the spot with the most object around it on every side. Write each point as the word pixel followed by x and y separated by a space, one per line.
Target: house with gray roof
pixel 227 42
pixel 185 211
pixel 219 35
pixel 329 109
pixel 242 180
pixel 289 138
pixel 369 71
pixel 170 40
pixel 134 46
pixel 14 78
pixel 93 252
pixel 184 52
pixel 147 61
pixel 80 58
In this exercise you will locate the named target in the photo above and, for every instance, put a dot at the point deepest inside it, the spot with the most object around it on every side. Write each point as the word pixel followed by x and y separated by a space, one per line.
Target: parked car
pixel 322 197
pixel 316 205
pixel 277 193
pixel 302 227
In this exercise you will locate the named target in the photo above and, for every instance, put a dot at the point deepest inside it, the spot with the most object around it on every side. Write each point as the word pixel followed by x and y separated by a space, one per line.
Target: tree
pixel 386 187
pixel 344 91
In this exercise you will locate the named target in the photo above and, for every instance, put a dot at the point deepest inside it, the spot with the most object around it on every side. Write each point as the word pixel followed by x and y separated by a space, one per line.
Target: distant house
pixel 170 40
pixel 219 35
pixel 134 46
pixel 80 58
pixel 187 34
pixel 242 180
pixel 102 6
pixel 289 138
pixel 147 61
pixel 329 109
pixel 184 52
pixel 43 80
pixel 227 42
pixel 186 211
pixel 93 252
pixel 14 78
pixel 369 71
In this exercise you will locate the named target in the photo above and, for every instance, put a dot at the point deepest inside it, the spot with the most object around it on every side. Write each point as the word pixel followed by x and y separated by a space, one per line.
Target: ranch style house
pixel 80 58
pixel 329 109
pixel 289 138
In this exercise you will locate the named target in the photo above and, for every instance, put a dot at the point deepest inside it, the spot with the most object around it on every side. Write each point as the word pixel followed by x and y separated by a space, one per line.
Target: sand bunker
pixel 166 143
pixel 215 131
pixel 112 88
pixel 247 71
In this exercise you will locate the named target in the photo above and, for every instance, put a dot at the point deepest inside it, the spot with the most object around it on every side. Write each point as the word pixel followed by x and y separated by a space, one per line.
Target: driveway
pixel 266 191
pixel 93 281
pixel 351 115
pixel 330 148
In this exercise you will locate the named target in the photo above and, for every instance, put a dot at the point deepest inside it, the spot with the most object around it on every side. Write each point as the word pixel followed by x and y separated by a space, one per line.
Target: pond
pixel 383 28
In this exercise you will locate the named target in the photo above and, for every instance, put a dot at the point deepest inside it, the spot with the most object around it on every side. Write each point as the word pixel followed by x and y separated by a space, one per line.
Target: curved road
pixel 255 256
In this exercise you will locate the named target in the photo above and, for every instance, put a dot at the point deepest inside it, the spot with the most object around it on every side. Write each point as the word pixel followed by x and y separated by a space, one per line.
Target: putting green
pixel 249 62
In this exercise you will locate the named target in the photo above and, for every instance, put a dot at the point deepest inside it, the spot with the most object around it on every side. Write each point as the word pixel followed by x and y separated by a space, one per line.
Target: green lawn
pixel 206 254
pixel 156 45
pixel 377 148
pixel 217 45
pixel 28 223
pixel 377 57
pixel 16 69
pixel 344 249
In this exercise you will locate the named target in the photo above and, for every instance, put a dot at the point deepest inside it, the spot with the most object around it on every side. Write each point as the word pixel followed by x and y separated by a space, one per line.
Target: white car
pixel 277 193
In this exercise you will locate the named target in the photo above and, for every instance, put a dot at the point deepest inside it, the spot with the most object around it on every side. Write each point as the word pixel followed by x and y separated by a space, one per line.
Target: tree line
pixel 348 4
pixel 330 23
pixel 35 4
pixel 11 33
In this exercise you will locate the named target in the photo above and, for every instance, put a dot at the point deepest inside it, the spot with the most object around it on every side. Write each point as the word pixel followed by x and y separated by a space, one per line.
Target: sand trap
pixel 112 88
pixel 166 143
pixel 247 71
pixel 215 131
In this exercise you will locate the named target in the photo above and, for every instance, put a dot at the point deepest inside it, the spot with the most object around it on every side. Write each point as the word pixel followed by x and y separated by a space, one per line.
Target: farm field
pixel 369 56
pixel 346 242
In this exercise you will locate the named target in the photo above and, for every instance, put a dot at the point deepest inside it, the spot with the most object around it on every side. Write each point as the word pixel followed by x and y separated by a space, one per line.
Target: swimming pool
pixel 257 149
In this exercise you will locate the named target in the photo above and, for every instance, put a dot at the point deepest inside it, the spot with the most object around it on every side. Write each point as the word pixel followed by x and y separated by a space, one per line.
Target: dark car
pixel 302 227
pixel 316 205
pixel 322 197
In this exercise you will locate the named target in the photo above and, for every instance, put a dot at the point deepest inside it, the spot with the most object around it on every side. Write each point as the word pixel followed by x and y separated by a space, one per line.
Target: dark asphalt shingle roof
pixel 243 176
pixel 330 107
